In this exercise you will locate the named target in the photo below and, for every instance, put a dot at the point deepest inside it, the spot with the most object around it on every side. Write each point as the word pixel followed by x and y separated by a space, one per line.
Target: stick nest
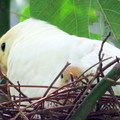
pixel 64 101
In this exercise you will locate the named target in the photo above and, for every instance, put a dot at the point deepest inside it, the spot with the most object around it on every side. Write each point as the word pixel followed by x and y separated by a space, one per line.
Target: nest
pixel 64 101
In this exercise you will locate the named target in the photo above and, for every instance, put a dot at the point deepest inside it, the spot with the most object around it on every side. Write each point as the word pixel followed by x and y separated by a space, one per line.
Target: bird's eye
pixel 62 76
pixel 3 47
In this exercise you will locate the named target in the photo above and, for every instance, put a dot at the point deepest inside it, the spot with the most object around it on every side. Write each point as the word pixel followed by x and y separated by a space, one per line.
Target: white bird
pixel 33 52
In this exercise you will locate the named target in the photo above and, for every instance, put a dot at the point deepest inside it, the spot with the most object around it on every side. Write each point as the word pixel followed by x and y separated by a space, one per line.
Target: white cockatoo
pixel 33 52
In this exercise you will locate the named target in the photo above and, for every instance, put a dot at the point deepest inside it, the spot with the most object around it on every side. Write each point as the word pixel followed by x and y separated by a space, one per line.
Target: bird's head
pixel 4 52
pixel 70 71
pixel 6 42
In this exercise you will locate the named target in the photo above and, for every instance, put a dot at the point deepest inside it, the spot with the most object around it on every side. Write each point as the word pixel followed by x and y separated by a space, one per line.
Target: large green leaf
pixel 110 10
pixel 72 16
pixel 85 18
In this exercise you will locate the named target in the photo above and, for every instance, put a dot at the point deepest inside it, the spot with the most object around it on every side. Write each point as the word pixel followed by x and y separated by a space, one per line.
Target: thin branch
pixel 100 56
pixel 67 64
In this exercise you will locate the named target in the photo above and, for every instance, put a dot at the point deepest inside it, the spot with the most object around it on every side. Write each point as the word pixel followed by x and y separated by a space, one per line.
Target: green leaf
pixel 72 16
pixel 26 12
pixel 84 18
pixel 95 36
pixel 110 18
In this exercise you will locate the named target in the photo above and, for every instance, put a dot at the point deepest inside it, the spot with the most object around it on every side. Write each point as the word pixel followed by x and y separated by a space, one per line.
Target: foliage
pixel 85 18
pixel 26 11
pixel 4 16
pixel 81 17
pixel 71 16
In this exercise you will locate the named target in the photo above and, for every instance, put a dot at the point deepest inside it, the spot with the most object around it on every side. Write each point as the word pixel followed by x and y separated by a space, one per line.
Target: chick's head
pixel 71 72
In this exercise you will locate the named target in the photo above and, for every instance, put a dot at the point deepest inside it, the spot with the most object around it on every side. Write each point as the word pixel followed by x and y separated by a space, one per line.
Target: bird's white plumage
pixel 37 51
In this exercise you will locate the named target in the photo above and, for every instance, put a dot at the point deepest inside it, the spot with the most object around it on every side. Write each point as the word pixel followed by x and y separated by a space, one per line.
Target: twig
pixel 67 64
pixel 19 94
pixel 100 54
pixel 1 74
pixel 93 66
pixel 31 86
pixel 21 113
pixel 19 14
